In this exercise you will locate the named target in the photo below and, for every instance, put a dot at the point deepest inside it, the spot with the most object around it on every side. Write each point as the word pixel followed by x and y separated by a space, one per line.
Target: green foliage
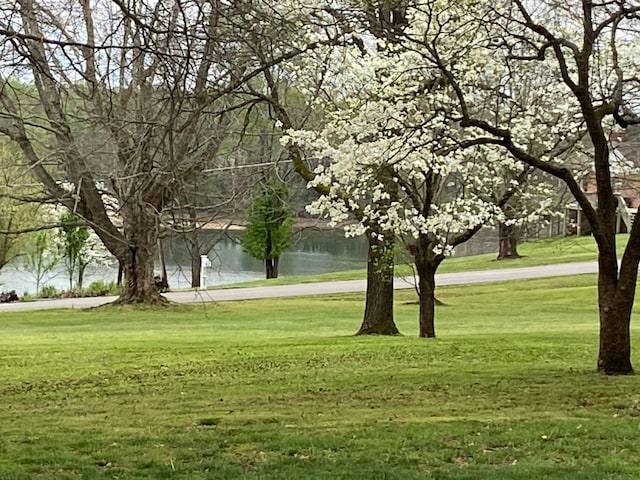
pixel 40 259
pixel 14 214
pixel 75 235
pixel 504 393
pixel 49 291
pixel 100 288
pixel 269 221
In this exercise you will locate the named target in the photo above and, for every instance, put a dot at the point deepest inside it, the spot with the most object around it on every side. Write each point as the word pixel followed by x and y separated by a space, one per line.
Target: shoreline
pixel 300 224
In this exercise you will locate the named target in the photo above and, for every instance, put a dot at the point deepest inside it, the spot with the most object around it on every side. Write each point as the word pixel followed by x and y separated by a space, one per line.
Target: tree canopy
pixel 269 227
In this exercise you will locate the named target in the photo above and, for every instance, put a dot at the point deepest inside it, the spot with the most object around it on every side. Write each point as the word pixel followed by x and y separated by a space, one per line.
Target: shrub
pixel 49 291
pixel 100 288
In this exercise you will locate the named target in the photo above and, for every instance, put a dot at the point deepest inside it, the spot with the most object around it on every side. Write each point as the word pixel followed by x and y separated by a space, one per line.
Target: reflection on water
pixel 312 252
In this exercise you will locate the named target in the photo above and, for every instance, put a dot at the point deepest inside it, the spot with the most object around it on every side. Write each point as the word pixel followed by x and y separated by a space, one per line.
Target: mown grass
pixel 548 251
pixel 280 389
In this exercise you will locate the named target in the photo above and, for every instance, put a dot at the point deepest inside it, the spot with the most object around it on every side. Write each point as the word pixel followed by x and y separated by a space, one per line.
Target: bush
pixel 100 288
pixel 49 291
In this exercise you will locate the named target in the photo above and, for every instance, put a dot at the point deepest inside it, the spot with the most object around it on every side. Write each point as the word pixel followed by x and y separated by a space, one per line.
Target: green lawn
pixel 280 389
pixel 540 252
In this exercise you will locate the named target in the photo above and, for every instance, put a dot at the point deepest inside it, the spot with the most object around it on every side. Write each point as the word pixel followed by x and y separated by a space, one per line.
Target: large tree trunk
pixel 426 296
pixel 615 303
pixel 139 286
pixel 427 299
pixel 614 356
pixel 378 311
pixel 508 241
pixel 137 258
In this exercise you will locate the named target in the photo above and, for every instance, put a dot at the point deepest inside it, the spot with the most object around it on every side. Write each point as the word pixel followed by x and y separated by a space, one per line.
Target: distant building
pixel 625 168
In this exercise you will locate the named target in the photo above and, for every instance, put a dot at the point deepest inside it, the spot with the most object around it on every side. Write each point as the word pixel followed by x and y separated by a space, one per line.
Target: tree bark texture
pixel 616 293
pixel 426 263
pixel 378 310
pixel 427 314
pixel 426 297
pixel 614 355
pixel 196 269
pixel 137 257
pixel 507 241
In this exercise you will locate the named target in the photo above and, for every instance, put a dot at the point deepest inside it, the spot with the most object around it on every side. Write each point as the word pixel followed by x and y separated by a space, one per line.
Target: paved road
pixel 320 288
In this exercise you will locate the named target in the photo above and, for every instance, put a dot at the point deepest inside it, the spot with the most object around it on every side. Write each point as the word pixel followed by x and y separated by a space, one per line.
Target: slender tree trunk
pixel 72 269
pixel 196 270
pixel 271 266
pixel 508 241
pixel 194 249
pixel 163 265
pixel 81 268
pixel 426 263
pixel 378 311
pixel 426 297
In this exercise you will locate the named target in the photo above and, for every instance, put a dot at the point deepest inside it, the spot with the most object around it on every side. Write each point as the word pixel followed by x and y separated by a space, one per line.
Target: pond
pixel 314 251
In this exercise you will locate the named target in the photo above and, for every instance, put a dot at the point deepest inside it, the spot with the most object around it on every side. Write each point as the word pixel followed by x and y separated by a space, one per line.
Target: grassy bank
pixel 279 389
pixel 540 252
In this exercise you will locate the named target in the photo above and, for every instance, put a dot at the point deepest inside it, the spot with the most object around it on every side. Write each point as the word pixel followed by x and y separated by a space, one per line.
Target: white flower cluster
pixel 394 145
pixel 393 155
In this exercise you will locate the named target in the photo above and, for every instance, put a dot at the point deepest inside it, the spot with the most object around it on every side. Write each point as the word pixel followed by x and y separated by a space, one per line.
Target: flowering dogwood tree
pixel 585 55
pixel 324 77
pixel 393 154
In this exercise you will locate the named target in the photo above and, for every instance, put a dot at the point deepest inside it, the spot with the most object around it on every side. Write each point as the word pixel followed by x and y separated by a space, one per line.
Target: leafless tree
pixel 150 82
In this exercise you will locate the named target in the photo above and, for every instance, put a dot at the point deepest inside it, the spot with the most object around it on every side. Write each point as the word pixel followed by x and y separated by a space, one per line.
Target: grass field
pixel 280 389
pixel 547 251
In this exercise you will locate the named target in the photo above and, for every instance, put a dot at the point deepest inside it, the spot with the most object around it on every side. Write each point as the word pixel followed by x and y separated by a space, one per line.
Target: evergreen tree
pixel 269 224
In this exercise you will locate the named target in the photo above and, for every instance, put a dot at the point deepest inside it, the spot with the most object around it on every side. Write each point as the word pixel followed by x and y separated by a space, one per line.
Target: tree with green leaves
pixel 269 224
pixel 19 214
pixel 74 236
pixel 40 259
